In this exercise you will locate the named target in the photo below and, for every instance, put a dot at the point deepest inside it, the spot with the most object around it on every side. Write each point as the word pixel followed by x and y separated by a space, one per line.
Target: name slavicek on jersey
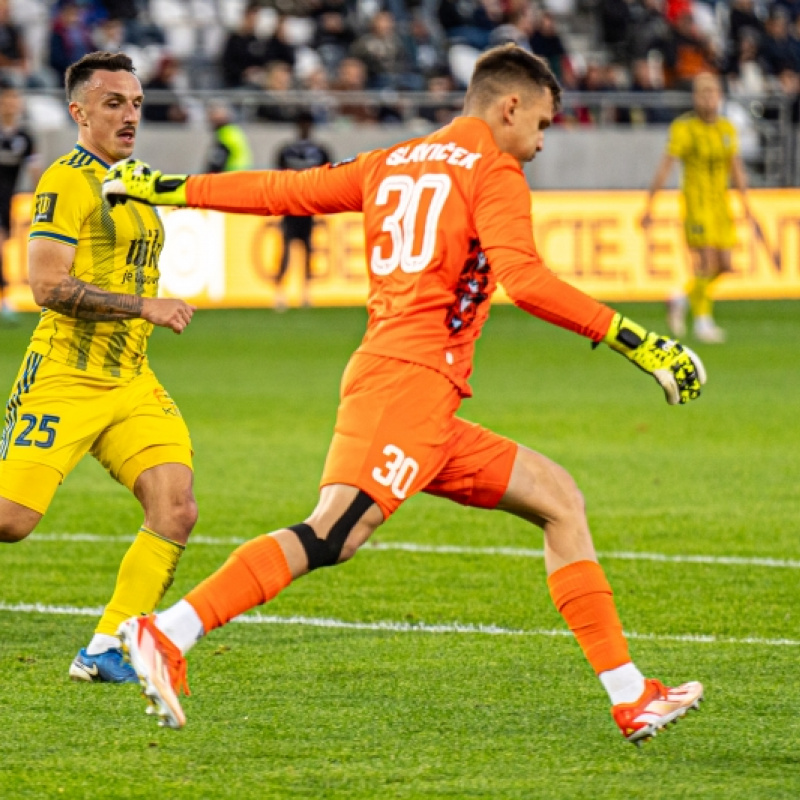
pixel 453 155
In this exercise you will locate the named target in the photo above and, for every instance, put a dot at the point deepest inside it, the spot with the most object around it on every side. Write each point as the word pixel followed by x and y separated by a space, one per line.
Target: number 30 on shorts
pixel 37 432
pixel 400 471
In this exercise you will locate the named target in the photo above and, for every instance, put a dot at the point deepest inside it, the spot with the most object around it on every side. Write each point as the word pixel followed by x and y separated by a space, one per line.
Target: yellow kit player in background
pixel 707 146
pixel 85 385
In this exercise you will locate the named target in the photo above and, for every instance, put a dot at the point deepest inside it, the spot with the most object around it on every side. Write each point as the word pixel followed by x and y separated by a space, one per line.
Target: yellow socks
pixel 699 296
pixel 144 576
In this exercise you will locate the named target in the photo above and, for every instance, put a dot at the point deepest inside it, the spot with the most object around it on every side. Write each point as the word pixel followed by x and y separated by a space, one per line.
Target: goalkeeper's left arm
pixel 322 190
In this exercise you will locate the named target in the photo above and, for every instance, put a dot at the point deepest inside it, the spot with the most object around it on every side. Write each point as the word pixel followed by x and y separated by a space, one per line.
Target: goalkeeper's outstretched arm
pixel 323 190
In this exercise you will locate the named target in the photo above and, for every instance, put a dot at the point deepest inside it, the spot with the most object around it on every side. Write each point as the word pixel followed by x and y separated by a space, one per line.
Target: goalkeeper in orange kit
pixel 446 217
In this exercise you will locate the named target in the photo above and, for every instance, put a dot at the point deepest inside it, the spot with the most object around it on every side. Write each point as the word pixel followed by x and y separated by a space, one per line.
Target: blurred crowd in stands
pixel 269 49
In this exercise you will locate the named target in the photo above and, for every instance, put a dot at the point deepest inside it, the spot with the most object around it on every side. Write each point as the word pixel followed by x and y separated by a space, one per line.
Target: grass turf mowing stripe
pixel 413 627
pixel 446 549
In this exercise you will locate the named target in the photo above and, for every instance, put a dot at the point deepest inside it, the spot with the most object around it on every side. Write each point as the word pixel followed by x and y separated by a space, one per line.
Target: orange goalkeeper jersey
pixel 446 217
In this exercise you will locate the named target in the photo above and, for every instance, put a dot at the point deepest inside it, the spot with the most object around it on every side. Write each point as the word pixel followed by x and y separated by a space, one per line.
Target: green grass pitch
pixel 386 710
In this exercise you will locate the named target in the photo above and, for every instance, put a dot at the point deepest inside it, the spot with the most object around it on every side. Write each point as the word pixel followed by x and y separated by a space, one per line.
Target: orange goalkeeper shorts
pixel 397 434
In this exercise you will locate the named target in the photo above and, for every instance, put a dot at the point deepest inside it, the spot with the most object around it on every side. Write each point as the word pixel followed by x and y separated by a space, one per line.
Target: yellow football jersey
pixel 116 249
pixel 706 151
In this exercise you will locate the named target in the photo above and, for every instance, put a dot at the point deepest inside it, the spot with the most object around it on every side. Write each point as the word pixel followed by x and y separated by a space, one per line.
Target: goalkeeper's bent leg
pixel 544 493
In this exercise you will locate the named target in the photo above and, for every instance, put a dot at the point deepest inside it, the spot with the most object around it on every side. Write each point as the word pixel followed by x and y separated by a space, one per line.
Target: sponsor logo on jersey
pixel 45 207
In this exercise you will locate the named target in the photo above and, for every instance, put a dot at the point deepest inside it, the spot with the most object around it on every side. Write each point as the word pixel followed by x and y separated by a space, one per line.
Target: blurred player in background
pixel 17 151
pixel 85 385
pixel 446 216
pixel 706 144
pixel 303 153
pixel 230 150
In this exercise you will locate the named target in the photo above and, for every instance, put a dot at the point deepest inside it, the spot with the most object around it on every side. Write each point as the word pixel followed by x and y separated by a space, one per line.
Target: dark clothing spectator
pixel 615 20
pixel 426 51
pixel 241 53
pixel 333 32
pixel 70 39
pixel 383 53
pixel 278 83
pixel 546 42
pixel 168 108
pixel 12 46
pixel 649 30
pixel 468 22
pixel 743 17
pixel 278 48
pixel 777 51
pixel 243 56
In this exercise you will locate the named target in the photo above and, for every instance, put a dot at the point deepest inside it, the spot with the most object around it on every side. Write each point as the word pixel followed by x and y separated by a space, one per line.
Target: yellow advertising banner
pixel 591 239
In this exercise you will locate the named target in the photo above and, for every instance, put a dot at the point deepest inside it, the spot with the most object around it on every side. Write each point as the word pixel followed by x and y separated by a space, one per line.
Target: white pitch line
pixel 414 627
pixel 447 549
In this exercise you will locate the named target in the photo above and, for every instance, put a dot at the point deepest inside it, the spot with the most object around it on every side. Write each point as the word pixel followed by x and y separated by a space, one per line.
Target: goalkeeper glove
pixel 679 371
pixel 134 180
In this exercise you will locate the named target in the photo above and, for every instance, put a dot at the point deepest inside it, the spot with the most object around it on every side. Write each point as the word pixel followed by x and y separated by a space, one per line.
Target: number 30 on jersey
pixel 413 238
pixel 398 472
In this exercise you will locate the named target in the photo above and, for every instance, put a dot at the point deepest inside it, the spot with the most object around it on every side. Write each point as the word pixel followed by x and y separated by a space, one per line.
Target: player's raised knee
pixel 15 530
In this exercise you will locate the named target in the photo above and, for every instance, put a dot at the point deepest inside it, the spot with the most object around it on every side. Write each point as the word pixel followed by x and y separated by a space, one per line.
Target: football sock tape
pixel 326 552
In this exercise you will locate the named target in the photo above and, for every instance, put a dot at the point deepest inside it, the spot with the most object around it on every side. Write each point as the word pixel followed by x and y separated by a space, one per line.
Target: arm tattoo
pixel 81 300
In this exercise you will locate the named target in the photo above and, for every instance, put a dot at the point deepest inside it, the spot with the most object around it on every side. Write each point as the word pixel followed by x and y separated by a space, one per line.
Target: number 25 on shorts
pixel 37 432
pixel 398 472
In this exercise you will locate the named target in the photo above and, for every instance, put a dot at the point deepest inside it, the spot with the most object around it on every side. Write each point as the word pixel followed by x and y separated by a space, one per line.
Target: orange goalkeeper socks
pixel 255 573
pixel 584 598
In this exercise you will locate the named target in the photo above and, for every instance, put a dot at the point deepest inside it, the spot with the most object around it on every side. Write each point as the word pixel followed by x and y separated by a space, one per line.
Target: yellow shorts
pixel 709 224
pixel 57 414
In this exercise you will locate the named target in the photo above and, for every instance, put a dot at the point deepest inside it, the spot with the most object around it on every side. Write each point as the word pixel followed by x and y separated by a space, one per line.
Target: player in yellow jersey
pixel 707 146
pixel 85 385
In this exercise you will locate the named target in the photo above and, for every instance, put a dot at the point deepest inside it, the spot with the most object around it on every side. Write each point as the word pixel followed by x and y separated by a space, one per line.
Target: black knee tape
pixel 326 552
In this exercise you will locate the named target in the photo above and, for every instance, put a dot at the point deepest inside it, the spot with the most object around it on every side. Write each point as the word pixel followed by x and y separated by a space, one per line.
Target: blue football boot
pixel 107 667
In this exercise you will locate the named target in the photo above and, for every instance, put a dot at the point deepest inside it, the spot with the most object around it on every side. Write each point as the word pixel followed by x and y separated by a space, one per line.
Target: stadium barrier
pixel 591 239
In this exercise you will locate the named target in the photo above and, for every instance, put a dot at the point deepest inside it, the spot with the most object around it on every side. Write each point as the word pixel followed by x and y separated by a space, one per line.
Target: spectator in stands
pixel 352 77
pixel 595 79
pixel 426 51
pixel 649 30
pixel 277 84
pixel 744 72
pixel 642 80
pixel 675 9
pixel 470 21
pixel 789 82
pixel 546 42
pixel 333 33
pixel 242 61
pixel 776 47
pixel 278 47
pixel 381 50
pixel 14 66
pixel 109 35
pixel 440 108
pixel 615 21
pixel 140 30
pixel 743 17
pixel 519 28
pixel 230 150
pixel 169 107
pixel 690 54
pixel 70 38
pixel 794 44
pixel 321 105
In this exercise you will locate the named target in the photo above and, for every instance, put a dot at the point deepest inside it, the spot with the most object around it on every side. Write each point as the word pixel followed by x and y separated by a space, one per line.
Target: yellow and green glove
pixel 132 179
pixel 678 370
